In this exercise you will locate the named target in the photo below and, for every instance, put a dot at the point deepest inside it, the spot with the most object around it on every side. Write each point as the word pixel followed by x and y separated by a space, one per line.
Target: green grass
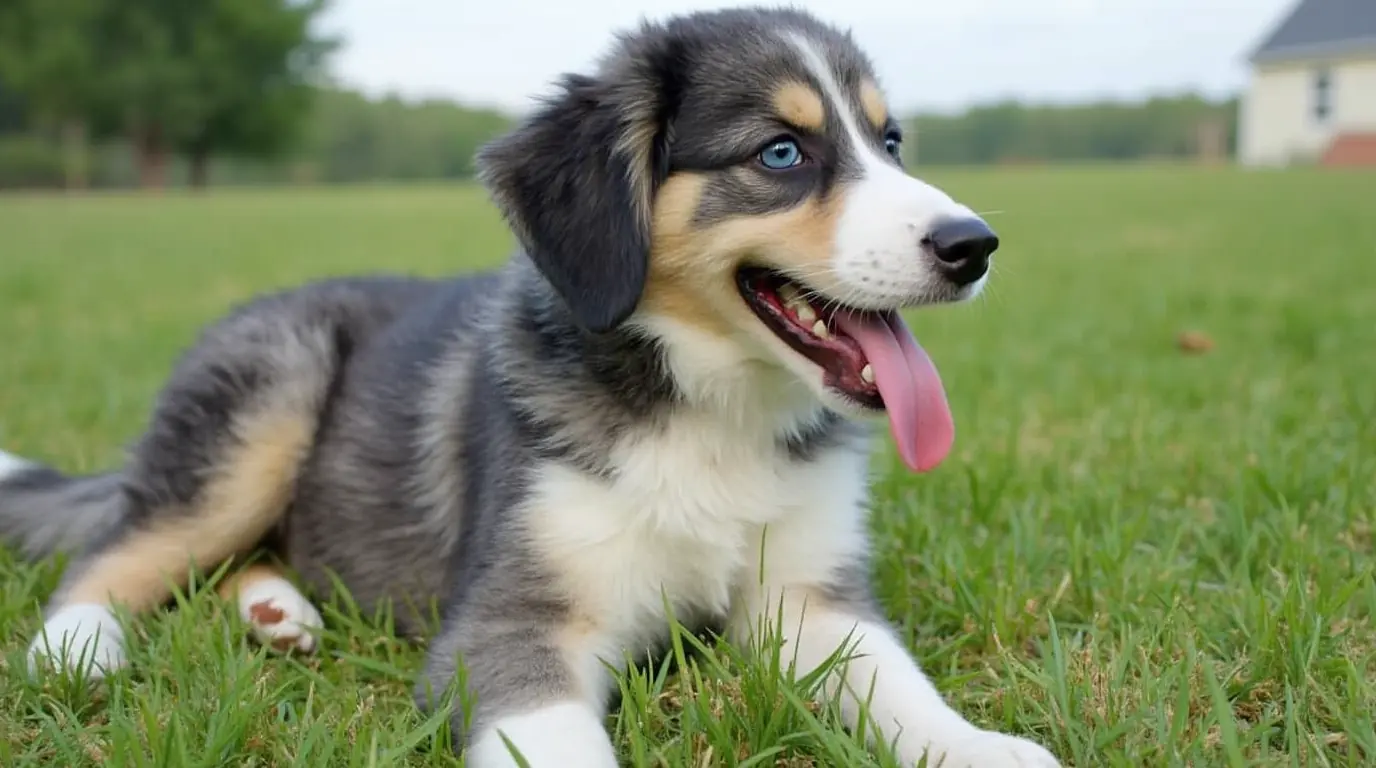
pixel 1135 556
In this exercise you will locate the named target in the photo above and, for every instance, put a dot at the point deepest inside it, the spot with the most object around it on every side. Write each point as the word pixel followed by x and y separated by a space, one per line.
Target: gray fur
pixel 45 513
pixel 434 402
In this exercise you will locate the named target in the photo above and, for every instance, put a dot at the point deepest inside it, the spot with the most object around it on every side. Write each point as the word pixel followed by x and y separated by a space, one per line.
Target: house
pixel 1311 97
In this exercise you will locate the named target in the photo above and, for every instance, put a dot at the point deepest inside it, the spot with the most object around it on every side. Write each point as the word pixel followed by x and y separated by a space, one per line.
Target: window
pixel 1323 95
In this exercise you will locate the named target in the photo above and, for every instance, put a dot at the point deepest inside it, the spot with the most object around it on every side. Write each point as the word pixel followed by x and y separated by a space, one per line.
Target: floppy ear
pixel 575 182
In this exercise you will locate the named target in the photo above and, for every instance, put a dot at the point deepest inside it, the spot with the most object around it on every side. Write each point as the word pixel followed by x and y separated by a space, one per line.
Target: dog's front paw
pixel 991 749
pixel 84 638
pixel 281 617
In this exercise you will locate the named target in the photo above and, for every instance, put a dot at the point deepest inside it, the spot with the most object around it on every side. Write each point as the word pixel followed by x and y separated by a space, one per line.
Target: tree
pixel 254 64
pixel 12 117
pixel 50 56
pixel 213 76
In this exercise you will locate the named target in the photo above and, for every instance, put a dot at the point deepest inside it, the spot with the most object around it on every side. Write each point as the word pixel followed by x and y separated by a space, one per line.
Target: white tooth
pixel 805 313
pixel 867 373
pixel 820 330
pixel 788 292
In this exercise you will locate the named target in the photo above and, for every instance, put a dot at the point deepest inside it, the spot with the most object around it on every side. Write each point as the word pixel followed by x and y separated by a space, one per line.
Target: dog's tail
pixel 44 512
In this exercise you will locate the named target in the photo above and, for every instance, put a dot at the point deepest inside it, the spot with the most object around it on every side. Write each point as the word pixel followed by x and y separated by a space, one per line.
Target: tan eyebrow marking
pixel 800 105
pixel 872 99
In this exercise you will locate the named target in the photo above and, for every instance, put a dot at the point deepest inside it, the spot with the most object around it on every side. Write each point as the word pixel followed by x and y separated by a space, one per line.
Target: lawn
pixel 1138 554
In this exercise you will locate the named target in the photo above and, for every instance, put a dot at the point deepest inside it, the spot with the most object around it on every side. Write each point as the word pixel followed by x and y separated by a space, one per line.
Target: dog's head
pixel 739 172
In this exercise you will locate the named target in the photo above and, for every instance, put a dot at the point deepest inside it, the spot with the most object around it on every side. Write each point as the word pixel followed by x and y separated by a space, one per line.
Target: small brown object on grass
pixel 1194 342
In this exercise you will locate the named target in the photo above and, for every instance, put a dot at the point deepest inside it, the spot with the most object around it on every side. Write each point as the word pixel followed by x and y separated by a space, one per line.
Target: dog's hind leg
pixel 213 475
pixel 243 495
pixel 281 617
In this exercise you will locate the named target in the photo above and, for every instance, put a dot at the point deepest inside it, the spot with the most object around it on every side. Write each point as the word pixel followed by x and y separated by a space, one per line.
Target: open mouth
pixel 808 324
pixel 870 357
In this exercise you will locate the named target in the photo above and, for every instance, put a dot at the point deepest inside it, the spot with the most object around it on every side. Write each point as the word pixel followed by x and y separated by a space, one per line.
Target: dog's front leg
pixel 531 688
pixel 816 601
pixel 876 672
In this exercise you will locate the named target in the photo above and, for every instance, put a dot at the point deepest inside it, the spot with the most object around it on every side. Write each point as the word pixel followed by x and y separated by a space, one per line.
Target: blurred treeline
pixel 1183 127
pixel 122 93
pixel 114 93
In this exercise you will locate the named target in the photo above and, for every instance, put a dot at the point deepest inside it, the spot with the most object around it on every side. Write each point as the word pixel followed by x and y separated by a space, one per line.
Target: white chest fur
pixel 684 520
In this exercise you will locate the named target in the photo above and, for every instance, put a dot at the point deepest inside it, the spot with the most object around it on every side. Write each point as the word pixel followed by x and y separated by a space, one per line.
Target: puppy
pixel 664 394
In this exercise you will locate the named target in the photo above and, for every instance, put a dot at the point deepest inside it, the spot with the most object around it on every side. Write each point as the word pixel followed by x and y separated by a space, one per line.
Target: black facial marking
pixel 727 116
pixel 695 94
pixel 576 181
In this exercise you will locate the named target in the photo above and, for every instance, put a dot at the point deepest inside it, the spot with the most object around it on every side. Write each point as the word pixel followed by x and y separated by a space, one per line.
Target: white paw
pixel 11 465
pixel 565 735
pixel 991 749
pixel 85 636
pixel 281 617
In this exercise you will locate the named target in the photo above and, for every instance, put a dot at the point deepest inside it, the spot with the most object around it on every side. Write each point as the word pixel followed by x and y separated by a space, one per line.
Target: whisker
pixel 808 272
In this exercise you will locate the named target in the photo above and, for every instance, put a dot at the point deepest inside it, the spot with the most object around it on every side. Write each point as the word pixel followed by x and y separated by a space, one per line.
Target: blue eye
pixel 784 153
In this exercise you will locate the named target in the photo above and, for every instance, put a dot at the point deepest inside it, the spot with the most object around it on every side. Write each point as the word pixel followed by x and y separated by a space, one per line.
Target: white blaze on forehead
pixel 831 91
pixel 887 212
pixel 876 166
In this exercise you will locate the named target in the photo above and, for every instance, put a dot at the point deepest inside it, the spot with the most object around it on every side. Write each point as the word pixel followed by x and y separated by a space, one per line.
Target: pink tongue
pixel 913 395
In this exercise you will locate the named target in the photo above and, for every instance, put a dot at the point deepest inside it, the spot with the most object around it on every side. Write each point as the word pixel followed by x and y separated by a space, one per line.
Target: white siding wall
pixel 1277 122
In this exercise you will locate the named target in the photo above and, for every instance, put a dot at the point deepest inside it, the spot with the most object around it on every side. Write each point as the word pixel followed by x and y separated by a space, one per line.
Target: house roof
pixel 1321 28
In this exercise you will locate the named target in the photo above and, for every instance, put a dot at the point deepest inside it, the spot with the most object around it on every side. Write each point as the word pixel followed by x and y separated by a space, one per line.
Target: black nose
pixel 962 247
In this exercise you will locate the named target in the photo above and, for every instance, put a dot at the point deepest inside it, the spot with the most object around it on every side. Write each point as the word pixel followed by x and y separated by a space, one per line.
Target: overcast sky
pixel 931 54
